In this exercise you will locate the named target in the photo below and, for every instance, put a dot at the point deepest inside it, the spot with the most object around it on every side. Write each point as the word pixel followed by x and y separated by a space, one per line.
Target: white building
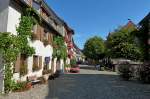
pixel 52 25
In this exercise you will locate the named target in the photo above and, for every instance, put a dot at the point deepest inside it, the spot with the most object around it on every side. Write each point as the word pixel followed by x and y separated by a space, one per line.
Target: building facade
pixel 42 36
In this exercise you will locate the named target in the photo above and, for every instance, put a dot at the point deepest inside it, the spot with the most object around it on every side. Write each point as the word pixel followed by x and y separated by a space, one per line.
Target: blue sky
pixel 98 17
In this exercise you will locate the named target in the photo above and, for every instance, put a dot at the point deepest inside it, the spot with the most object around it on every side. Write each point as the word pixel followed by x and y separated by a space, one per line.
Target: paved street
pixel 88 84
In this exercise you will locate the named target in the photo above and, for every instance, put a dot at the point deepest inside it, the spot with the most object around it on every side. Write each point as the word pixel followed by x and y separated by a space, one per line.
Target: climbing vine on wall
pixel 9 50
pixel 27 21
pixel 24 32
pixel 12 46
pixel 60 49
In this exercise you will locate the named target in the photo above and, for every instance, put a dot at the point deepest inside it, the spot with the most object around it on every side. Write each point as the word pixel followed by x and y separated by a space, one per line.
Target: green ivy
pixel 60 49
pixel 24 32
pixel 12 46
pixel 33 14
pixel 73 62
pixel 29 18
pixel 9 49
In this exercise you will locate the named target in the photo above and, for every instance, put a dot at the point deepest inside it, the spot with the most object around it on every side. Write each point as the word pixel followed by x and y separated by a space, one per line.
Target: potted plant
pixel 73 62
pixel 46 74
pixel 21 86
pixel 74 67
pixel 67 67
pixel 29 85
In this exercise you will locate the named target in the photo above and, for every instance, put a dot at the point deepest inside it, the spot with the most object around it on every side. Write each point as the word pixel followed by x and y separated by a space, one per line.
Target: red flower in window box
pixel 29 85
pixel 75 69
pixel 70 45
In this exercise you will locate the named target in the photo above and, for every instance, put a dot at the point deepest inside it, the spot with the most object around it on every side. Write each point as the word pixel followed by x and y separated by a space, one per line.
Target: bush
pixel 73 62
pixel 67 65
pixel 46 72
pixel 21 86
pixel 144 72
pixel 125 70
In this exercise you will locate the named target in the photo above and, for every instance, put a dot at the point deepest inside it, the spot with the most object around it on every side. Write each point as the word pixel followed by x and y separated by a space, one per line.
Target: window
pixel 37 63
pixel 23 68
pixel 36 32
pixel 50 38
pixel 17 65
pixel 28 1
pixel 46 63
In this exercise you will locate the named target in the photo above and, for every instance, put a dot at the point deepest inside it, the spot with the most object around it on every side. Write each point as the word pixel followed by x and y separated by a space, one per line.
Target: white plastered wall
pixel 13 20
pixel 12 23
pixel 40 50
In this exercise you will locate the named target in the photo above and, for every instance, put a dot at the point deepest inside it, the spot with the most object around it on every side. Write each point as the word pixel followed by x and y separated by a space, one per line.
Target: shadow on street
pixel 95 86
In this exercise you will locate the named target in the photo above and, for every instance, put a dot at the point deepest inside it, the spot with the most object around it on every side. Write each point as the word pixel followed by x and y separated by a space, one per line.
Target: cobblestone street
pixel 88 84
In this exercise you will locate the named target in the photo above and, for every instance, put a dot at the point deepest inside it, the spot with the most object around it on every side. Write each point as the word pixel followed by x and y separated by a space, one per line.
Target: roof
pixel 68 28
pixel 78 50
pixel 52 13
pixel 146 18
pixel 130 24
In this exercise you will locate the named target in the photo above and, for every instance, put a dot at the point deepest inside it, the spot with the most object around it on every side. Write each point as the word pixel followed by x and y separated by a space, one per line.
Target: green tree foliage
pixel 122 44
pixel 94 48
pixel 60 49
pixel 143 36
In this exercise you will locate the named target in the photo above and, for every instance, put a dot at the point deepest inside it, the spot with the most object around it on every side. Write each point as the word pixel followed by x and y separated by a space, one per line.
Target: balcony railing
pixel 44 16
pixel 52 23
pixel 58 28
pixel 28 2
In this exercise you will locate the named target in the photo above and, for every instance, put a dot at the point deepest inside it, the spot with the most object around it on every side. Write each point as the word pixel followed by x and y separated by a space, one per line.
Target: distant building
pixel 78 54
pixel 145 25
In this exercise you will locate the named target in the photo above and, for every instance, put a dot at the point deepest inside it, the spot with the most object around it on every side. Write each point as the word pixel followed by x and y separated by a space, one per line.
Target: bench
pixel 33 80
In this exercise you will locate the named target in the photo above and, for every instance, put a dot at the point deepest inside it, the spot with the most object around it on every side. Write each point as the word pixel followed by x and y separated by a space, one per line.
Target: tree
pixel 143 36
pixel 122 44
pixel 94 48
